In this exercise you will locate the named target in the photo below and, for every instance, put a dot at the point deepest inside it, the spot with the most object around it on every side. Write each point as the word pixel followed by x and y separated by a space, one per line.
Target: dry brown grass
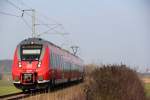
pixel 146 80
pixel 70 93
pixel 114 82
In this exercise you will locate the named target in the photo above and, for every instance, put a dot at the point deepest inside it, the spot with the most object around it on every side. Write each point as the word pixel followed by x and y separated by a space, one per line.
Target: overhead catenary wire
pixel 18 8
pixel 43 15
pixel 15 6
pixel 22 3
pixel 50 28
pixel 48 18
pixel 26 23
pixel 8 14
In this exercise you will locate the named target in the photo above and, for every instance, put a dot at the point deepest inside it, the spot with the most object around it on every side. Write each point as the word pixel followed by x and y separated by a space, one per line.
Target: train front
pixel 30 69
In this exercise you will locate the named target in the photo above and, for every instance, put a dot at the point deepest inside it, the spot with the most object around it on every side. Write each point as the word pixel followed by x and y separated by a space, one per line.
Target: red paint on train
pixel 40 64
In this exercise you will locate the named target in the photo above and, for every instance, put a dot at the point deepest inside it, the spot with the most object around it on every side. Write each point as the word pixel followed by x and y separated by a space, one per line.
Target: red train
pixel 39 64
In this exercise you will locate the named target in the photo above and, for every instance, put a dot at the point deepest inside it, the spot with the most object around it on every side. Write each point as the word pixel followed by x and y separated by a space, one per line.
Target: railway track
pixel 22 95
pixel 14 96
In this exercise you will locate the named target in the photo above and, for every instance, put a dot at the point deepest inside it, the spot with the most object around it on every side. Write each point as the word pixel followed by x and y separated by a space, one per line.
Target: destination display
pixel 31 51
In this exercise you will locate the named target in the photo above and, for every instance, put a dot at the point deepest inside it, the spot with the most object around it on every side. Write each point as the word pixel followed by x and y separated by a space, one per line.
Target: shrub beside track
pixel 114 82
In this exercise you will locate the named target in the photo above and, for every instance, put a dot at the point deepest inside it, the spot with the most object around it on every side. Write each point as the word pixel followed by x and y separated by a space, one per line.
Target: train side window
pixel 73 66
pixel 76 68
pixel 67 66
pixel 57 61
pixel 64 65
pixel 54 60
pixel 61 62
pixel 54 56
pixel 51 59
pixel 70 65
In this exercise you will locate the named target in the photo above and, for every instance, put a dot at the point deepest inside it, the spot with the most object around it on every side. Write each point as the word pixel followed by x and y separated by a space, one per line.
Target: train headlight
pixel 19 64
pixel 39 64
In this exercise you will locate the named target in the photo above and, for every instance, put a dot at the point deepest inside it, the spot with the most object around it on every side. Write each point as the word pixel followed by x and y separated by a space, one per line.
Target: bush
pixel 114 82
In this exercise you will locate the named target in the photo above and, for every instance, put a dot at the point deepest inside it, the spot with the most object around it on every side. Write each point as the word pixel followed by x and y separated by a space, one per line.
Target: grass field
pixel 146 81
pixel 8 90
pixel 6 87
pixel 147 88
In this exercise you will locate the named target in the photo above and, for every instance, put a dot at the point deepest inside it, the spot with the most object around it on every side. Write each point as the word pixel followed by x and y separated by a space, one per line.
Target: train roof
pixel 42 41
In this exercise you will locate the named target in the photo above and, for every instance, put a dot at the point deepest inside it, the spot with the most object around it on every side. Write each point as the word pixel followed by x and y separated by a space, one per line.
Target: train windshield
pixel 31 52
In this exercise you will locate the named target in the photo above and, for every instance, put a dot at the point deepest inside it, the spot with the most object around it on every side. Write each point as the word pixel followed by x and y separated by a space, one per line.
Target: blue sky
pixel 107 31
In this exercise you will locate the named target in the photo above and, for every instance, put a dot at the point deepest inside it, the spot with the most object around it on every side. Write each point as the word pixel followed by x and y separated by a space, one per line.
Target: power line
pixel 46 32
pixel 8 14
pixel 43 23
pixel 26 23
pixel 37 24
pixel 46 25
pixel 23 4
pixel 4 13
pixel 53 21
pixel 14 5
pixel 52 28
pixel 48 18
